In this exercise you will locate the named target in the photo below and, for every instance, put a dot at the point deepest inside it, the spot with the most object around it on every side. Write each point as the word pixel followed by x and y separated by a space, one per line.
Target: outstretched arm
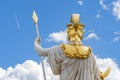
pixel 41 51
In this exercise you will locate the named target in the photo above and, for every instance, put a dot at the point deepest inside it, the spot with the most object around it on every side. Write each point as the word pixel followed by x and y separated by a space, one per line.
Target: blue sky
pixel 17 29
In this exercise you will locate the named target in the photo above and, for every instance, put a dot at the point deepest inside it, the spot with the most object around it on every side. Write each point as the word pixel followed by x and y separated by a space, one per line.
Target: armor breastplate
pixel 78 51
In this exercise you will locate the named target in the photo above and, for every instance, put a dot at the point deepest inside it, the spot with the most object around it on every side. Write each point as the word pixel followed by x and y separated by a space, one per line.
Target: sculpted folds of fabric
pixel 72 68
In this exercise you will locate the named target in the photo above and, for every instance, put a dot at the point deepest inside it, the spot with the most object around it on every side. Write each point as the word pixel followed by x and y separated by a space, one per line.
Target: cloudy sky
pixel 19 60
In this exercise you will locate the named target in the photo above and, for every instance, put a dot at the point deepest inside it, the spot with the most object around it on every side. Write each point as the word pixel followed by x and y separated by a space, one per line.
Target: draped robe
pixel 72 68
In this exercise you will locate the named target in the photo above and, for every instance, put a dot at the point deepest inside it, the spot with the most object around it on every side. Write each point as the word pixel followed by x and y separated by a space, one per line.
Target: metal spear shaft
pixel 35 18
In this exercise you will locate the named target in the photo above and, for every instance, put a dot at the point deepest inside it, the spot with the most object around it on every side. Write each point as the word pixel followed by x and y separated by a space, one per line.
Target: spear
pixel 35 18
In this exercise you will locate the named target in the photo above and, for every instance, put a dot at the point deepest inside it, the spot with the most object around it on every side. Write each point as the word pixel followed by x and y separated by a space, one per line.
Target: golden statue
pixel 75 48
pixel 72 61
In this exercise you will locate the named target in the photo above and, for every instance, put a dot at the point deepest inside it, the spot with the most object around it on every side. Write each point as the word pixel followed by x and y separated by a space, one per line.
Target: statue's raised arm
pixel 41 51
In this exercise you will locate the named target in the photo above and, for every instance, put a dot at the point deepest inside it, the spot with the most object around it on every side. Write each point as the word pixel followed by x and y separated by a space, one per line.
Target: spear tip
pixel 35 18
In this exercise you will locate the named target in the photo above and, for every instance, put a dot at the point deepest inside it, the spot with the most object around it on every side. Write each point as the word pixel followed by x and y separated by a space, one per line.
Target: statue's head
pixel 75 30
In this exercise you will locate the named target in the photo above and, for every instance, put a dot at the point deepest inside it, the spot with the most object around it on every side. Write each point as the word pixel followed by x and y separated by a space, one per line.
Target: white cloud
pixel 117 33
pixel 103 5
pixel 92 36
pixel 2 72
pixel 116 39
pixel 117 36
pixel 30 70
pixel 116 9
pixel 58 37
pixel 80 3
pixel 98 16
pixel 105 63
pixel 62 36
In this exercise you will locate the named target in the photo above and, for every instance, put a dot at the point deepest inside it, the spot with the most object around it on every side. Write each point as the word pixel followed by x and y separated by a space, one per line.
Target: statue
pixel 72 61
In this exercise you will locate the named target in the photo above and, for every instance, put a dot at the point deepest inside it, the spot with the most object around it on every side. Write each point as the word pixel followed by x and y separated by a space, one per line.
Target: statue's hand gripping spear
pixel 35 18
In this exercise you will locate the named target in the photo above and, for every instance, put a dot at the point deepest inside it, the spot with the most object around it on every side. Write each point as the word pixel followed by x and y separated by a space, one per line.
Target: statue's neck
pixel 74 43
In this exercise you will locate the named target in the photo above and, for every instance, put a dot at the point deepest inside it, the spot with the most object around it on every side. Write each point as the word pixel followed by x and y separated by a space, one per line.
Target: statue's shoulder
pixel 55 48
pixel 73 51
